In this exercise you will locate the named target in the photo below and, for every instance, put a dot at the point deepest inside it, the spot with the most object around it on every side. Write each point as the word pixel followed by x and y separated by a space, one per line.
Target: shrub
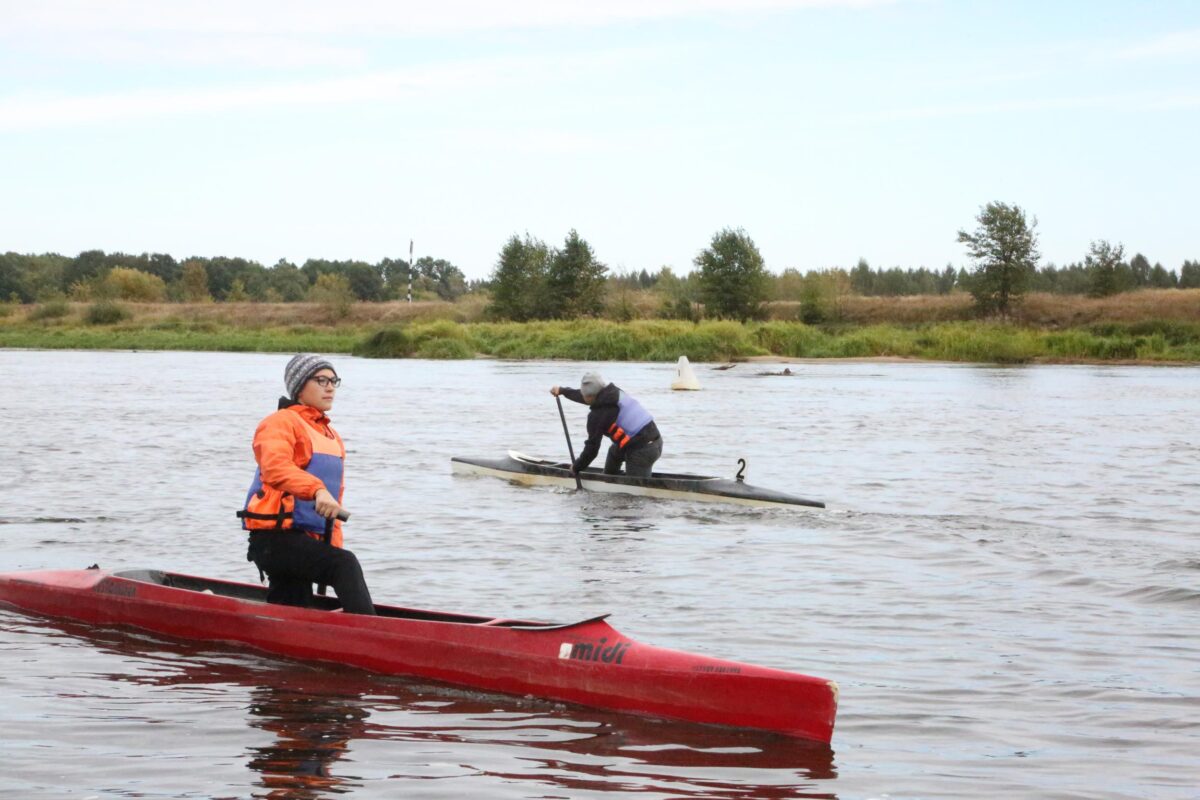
pixel 123 283
pixel 445 349
pixel 105 312
pixel 620 309
pixel 1174 332
pixel 50 309
pixel 438 329
pixel 680 308
pixel 387 343
pixel 791 339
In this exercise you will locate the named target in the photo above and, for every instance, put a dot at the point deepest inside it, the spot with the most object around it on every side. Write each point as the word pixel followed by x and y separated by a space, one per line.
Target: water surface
pixel 1006 583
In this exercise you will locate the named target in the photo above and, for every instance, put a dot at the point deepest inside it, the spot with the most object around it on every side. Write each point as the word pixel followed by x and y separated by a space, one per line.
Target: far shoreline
pixel 711 366
pixel 441 332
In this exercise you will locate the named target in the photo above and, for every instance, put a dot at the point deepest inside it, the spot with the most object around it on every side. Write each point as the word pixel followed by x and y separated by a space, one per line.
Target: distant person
pixel 636 442
pixel 292 506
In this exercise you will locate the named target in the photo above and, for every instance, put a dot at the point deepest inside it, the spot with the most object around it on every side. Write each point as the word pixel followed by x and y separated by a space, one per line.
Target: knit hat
pixel 591 384
pixel 300 369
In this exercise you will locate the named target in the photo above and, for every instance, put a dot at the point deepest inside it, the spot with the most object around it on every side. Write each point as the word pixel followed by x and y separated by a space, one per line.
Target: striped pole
pixel 410 269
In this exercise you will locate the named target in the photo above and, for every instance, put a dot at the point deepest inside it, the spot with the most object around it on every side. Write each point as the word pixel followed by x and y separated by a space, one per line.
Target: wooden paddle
pixel 567 433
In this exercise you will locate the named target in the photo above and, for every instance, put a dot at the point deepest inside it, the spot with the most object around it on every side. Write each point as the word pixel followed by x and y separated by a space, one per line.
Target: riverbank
pixel 423 331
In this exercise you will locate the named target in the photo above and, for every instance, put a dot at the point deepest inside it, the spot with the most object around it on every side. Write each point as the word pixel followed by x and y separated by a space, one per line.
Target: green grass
pixel 125 338
pixel 638 340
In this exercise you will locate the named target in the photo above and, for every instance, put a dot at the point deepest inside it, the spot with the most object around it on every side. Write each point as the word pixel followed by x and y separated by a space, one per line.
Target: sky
pixel 829 130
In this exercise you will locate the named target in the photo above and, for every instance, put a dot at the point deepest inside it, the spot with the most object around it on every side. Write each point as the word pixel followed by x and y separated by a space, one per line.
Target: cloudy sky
pixel 828 129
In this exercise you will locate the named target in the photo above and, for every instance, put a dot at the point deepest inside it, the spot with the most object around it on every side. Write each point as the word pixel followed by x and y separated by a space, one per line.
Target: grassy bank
pixel 438 331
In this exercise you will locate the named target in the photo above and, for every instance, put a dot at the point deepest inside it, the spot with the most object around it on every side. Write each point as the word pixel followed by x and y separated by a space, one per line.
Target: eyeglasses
pixel 324 380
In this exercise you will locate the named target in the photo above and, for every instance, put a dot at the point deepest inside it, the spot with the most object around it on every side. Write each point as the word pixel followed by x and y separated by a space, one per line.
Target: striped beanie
pixel 300 369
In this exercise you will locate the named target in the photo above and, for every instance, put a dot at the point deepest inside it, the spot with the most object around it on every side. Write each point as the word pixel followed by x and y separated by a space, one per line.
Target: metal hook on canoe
pixel 741 473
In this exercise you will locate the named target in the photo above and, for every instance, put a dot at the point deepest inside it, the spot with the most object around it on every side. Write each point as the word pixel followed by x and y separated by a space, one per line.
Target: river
pixel 1005 584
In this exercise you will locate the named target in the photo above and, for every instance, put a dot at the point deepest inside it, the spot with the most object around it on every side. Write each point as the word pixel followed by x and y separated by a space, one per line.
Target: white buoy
pixel 685 378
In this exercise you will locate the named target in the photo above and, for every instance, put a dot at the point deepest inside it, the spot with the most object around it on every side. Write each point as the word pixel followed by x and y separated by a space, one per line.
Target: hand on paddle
pixel 326 506
pixel 555 390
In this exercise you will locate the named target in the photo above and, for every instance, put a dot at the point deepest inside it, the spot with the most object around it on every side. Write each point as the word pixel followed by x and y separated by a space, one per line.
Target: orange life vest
pixel 276 507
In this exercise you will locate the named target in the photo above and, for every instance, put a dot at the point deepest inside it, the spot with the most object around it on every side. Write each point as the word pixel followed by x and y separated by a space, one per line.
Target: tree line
pixel 730 280
pixel 533 280
pixel 158 277
pixel 1079 277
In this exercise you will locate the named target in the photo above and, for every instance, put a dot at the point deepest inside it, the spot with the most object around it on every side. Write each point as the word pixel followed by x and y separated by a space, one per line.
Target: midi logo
pixel 581 651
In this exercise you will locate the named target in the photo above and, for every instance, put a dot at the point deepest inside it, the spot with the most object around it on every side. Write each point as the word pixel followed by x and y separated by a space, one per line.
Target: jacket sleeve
pixel 574 395
pixel 277 449
pixel 598 422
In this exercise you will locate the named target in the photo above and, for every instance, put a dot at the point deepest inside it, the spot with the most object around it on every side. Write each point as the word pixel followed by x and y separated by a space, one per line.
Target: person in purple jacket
pixel 636 442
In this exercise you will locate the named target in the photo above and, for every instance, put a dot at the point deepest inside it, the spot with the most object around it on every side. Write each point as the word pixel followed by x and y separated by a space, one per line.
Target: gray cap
pixel 591 384
pixel 300 369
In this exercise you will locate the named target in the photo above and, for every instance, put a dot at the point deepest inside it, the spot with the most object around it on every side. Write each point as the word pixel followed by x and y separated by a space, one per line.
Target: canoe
pixel 588 662
pixel 529 471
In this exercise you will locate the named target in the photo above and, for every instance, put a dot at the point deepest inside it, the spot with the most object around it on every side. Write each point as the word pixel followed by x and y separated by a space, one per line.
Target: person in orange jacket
pixel 292 507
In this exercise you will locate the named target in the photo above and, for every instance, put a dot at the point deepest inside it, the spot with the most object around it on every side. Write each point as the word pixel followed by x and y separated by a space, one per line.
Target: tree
pixel 443 277
pixel 574 280
pixel 788 285
pixel 1102 263
pixel 519 278
pixel 237 292
pixel 287 282
pixel 31 277
pixel 733 278
pixel 1161 279
pixel 1004 248
pixel 223 271
pixel 334 294
pixel 1189 275
pixel 194 283
pixel 862 279
pixel 816 295
pixel 1139 265
pixel 947 280
pixel 12 278
pixel 396 276
pixel 365 280
pixel 84 267
pixel 681 295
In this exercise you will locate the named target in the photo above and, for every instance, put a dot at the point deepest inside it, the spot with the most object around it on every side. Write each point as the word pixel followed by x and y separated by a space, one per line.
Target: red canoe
pixel 588 662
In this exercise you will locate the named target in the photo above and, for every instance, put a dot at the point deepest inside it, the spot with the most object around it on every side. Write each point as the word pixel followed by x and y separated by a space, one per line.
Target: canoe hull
pixel 534 472
pixel 589 663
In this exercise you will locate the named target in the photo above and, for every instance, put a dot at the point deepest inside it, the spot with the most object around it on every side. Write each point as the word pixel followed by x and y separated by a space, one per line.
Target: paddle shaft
pixel 567 433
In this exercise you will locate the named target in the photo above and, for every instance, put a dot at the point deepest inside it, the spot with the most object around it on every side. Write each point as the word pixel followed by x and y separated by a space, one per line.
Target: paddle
pixel 327 538
pixel 567 433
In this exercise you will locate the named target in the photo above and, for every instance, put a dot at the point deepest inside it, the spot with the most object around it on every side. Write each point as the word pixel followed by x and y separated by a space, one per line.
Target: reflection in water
pixel 677 760
pixel 328 723
pixel 313 727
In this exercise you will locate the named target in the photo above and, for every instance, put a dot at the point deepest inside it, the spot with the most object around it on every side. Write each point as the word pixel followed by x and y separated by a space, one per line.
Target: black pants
pixel 295 561
pixel 638 458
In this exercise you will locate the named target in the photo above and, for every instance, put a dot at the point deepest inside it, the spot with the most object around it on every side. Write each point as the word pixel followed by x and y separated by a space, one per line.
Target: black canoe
pixel 523 469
